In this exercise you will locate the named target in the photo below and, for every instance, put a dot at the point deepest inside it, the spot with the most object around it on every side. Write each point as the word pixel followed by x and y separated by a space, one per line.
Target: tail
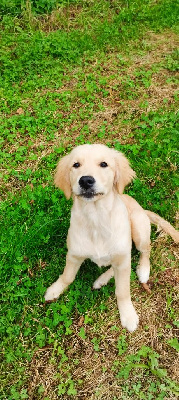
pixel 164 225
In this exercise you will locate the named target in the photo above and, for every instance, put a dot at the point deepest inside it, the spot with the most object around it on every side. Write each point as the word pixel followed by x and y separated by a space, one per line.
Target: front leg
pixel 122 270
pixel 72 266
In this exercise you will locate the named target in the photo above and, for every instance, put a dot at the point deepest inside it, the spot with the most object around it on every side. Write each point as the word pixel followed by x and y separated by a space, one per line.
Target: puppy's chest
pixel 98 225
pixel 97 235
pixel 98 239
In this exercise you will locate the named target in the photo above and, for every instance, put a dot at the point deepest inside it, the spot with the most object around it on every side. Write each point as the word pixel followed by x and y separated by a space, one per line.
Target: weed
pixel 122 345
pixel 174 343
pixel 151 364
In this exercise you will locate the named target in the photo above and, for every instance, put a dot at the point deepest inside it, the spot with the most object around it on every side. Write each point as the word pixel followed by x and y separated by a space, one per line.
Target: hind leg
pixel 141 229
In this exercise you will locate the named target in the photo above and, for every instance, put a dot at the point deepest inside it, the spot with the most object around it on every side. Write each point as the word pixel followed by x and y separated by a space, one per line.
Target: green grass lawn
pixel 74 72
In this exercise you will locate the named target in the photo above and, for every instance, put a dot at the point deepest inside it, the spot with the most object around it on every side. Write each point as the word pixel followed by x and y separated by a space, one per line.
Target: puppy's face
pixel 92 171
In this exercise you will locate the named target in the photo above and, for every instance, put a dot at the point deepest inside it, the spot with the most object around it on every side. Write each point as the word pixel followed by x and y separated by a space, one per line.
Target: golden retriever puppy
pixel 104 222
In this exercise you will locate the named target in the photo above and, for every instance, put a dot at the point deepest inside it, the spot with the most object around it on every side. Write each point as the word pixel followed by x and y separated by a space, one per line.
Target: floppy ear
pixel 124 174
pixel 62 176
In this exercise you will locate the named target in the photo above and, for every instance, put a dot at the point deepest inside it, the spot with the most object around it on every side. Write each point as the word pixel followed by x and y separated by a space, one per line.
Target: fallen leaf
pixel 81 320
pixel 20 111
pixel 146 287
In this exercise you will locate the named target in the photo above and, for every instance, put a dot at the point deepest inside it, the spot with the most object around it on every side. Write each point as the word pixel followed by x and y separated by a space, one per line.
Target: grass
pixel 74 72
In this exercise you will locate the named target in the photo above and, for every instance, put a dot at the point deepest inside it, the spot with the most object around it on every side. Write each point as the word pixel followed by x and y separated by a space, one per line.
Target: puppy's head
pixel 92 171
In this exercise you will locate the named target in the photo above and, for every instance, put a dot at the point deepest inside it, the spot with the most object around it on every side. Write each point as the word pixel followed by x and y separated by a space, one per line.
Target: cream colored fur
pixel 102 226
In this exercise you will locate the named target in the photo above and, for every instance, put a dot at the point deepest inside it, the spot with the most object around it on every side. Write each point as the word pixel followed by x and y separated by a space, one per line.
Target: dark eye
pixel 103 164
pixel 76 165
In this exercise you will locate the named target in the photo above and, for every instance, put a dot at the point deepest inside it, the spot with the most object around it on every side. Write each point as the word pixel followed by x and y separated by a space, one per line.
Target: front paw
pixel 55 290
pixel 98 283
pixel 129 319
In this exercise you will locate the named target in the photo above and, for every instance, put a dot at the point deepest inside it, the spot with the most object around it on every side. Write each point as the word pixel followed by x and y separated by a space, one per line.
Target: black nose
pixel 86 182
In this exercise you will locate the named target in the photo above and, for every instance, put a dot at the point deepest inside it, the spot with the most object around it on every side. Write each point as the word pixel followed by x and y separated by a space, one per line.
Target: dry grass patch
pixel 158 46
pixel 42 375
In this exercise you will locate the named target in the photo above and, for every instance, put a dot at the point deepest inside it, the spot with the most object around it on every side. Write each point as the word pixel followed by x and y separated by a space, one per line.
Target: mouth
pixel 89 194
